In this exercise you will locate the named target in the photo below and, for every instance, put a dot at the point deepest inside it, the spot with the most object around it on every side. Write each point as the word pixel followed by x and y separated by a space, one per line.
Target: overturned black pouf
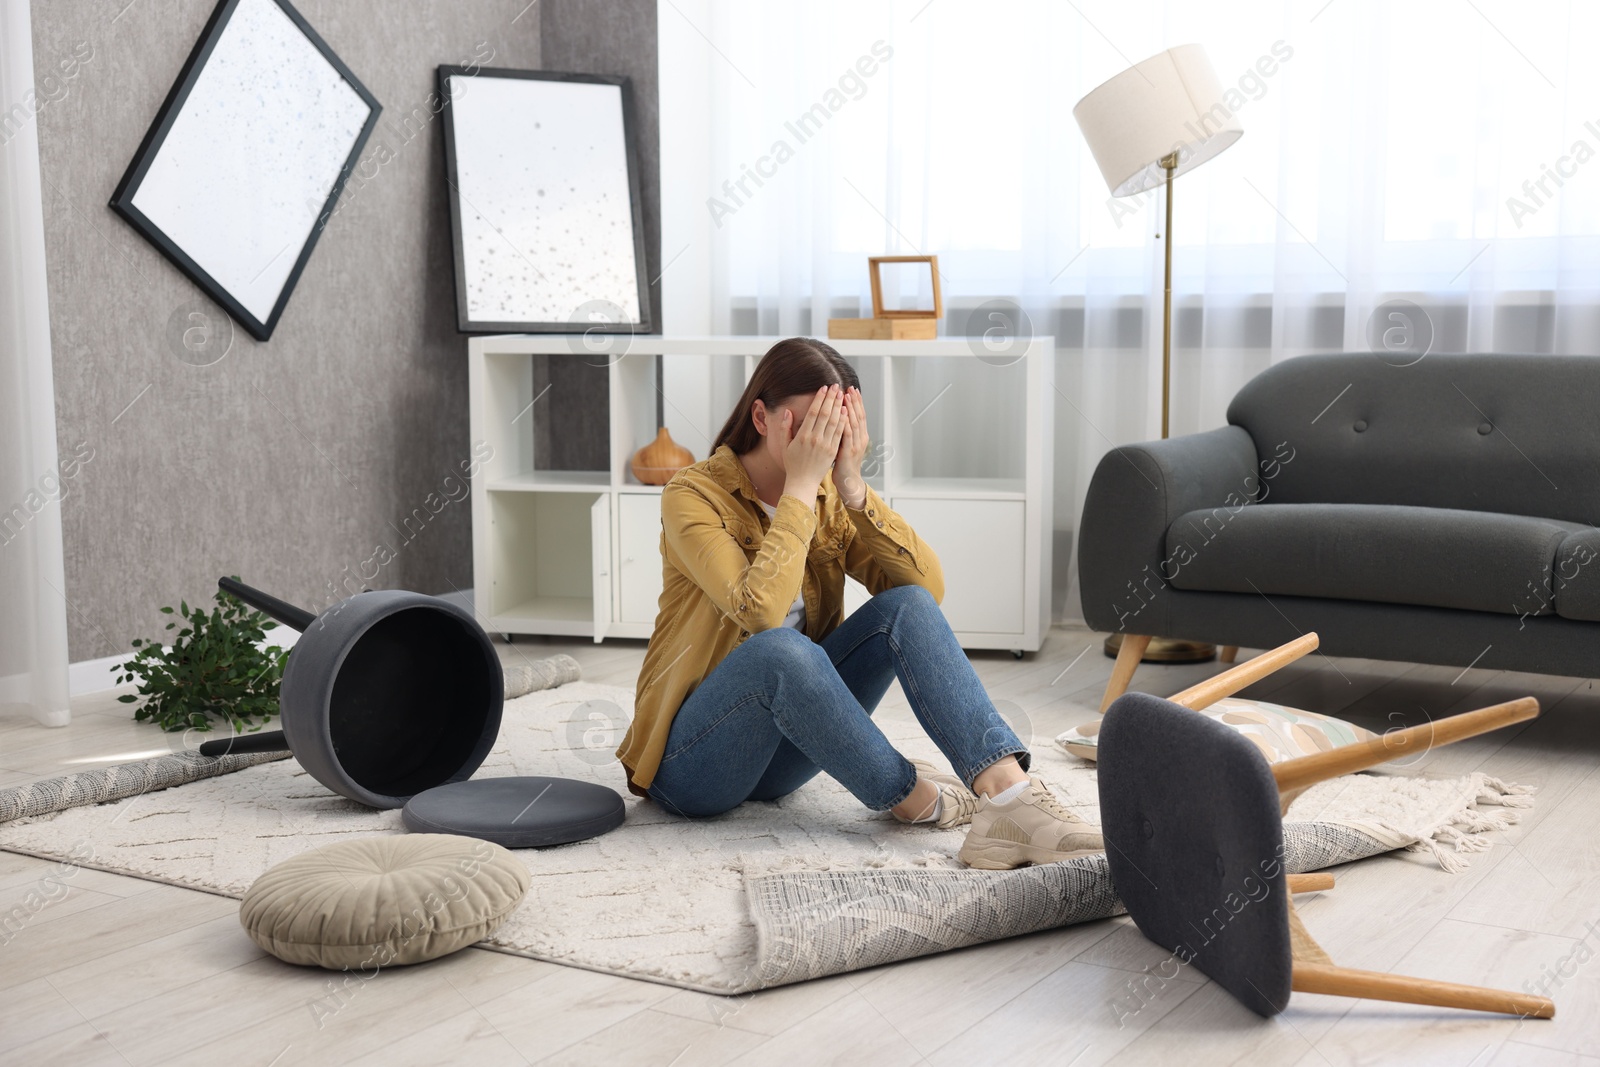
pixel 526 812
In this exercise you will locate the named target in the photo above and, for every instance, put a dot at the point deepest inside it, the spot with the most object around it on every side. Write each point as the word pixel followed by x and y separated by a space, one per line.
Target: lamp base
pixel 1166 650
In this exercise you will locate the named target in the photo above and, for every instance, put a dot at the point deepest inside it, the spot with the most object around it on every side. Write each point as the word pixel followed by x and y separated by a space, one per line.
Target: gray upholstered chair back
pixel 1513 434
pixel 1189 809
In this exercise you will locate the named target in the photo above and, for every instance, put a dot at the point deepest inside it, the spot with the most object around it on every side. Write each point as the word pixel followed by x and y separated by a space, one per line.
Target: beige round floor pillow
pixel 382 901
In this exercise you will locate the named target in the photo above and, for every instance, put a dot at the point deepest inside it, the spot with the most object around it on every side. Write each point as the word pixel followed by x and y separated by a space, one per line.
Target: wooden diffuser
pixel 657 461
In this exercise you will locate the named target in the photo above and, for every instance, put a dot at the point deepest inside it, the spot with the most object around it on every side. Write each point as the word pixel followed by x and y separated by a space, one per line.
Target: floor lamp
pixel 1156 120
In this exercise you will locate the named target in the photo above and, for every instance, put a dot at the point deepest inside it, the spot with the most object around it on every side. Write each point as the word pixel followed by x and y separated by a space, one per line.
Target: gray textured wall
pixel 603 37
pixel 325 456
pixel 617 37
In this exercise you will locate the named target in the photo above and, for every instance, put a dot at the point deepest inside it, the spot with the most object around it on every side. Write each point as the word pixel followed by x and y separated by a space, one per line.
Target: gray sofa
pixel 1436 513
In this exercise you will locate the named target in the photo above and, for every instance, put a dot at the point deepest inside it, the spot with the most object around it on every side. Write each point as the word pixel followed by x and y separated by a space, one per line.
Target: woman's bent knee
pixel 783 644
pixel 914 597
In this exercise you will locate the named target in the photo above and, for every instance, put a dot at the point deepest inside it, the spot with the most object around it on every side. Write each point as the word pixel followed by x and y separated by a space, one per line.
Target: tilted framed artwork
pixel 241 170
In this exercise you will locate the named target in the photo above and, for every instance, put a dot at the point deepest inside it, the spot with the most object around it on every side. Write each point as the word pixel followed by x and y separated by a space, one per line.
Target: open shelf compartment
pixel 690 394
pixel 563 588
pixel 541 422
pixel 957 428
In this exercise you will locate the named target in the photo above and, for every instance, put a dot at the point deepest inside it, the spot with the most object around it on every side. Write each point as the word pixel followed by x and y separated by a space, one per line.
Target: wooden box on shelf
pixel 915 324
pixel 883 329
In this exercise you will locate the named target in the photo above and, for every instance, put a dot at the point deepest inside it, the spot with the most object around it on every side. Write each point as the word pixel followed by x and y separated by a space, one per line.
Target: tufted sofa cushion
pixel 1479 432
pixel 1396 554
pixel 1576 576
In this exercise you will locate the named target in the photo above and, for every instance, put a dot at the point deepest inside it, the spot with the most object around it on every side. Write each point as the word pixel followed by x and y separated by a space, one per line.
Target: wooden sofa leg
pixel 1128 657
pixel 1228 653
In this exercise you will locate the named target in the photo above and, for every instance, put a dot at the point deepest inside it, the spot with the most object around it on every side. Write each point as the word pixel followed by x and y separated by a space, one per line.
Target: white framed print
pixel 544 202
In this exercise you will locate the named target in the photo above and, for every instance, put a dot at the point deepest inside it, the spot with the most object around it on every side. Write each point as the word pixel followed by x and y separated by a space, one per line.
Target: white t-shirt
pixel 797 611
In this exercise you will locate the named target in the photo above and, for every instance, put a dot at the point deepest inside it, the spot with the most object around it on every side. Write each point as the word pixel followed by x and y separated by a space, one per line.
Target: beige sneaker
pixel 1032 828
pixel 958 802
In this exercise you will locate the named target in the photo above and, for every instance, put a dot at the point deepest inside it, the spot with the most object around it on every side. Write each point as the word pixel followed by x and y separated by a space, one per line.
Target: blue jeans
pixel 781 707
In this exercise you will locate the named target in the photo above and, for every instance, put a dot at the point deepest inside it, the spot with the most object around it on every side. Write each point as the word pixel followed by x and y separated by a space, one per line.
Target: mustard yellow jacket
pixel 728 572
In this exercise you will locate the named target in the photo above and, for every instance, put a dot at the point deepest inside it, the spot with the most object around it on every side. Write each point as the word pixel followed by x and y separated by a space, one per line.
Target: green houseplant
pixel 215 669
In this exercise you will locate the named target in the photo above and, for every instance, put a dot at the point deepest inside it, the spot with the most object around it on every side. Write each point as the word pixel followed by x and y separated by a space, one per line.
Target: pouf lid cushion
pixel 382 901
pixel 529 811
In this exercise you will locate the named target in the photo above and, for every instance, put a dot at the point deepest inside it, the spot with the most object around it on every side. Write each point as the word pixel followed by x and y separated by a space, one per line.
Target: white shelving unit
pixel 577 552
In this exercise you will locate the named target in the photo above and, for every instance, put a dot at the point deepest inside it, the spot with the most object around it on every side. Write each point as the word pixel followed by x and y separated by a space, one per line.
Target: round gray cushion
pixel 526 812
pixel 379 901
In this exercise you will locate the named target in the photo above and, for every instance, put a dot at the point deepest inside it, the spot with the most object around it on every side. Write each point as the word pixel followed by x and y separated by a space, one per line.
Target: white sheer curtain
pixel 1438 152
pixel 33 620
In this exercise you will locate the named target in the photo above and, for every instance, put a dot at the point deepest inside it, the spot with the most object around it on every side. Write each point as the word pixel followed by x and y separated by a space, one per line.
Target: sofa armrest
pixel 1137 493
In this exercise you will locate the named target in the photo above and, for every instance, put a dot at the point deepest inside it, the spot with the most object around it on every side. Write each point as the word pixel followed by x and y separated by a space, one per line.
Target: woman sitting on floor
pixel 754 681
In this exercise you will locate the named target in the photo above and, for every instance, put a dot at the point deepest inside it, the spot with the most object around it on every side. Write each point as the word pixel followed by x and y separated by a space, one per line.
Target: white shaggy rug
pixel 770 893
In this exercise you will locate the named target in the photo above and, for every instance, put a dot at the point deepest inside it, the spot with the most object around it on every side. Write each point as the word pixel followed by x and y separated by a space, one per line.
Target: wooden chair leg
pixel 1228 653
pixel 1374 985
pixel 1229 682
pixel 1128 657
pixel 1296 775
pixel 1309 883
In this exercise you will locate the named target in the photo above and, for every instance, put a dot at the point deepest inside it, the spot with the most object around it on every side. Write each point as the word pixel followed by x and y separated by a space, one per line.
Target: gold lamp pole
pixel 1145 126
pixel 1169 163
pixel 1166 649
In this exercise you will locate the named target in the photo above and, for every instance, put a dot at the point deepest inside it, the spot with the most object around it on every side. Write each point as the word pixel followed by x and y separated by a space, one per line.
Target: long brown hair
pixel 790 367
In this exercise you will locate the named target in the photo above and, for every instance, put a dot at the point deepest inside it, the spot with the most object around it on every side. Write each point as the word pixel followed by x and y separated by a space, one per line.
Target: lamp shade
pixel 1171 102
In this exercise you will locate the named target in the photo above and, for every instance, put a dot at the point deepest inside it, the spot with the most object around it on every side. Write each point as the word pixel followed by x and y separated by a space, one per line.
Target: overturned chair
pixel 1192 814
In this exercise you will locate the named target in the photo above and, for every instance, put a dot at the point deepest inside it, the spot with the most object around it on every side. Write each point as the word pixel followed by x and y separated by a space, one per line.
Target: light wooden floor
pixel 122 971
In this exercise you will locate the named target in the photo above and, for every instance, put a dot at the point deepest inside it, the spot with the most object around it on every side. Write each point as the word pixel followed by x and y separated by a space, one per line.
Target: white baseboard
pixel 92 675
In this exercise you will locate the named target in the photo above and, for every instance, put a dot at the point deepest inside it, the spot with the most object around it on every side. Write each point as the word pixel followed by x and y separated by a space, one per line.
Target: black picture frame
pixel 155 137
pixel 464 322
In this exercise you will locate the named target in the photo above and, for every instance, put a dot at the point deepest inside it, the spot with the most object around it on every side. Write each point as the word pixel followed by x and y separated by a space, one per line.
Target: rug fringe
pixel 1449 862
pixel 1463 831
pixel 1506 794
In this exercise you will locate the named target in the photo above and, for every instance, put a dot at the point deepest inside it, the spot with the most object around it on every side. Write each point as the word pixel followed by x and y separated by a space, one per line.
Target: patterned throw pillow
pixel 1280 733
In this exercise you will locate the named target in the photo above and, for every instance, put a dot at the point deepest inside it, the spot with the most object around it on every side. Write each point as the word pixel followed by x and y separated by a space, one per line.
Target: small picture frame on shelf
pixel 875 271
pixel 544 202
pixel 242 168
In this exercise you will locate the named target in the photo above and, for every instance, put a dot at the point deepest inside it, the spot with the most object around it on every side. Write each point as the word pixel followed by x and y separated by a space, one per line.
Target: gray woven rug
pixel 768 894
pixel 103 784
pixel 815 923
pixel 124 780
pixel 537 674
